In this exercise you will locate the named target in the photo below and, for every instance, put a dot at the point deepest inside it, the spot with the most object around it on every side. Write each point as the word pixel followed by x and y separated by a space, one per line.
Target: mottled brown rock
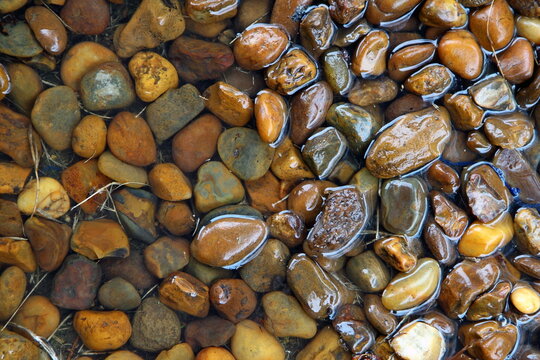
pixel 306 199
pixel 465 114
pixel 11 224
pixel 15 141
pixel 233 299
pixel 48 29
pixel 89 137
pixel 210 331
pixel 488 340
pixel 431 81
pixel 49 240
pixel 288 227
pixel 176 217
pixel 443 177
pixel 86 17
pixel 293 71
pixel 102 330
pixel 97 239
pixel 166 255
pixel 183 292
pixel 397 251
pixel 265 194
pixel 260 45
pixel 317 30
pixel 509 131
pixel 493 35
pixel 229 104
pixel 12 288
pixel 452 219
pixel 516 63
pixel 18 253
pixel 169 183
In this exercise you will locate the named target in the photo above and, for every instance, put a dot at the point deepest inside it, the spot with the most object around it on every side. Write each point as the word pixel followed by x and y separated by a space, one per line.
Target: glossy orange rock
pixel 288 163
pixel 233 299
pixel 260 45
pixel 306 199
pixel 130 139
pixel 229 104
pixel 405 60
pixel 465 114
pixel 102 330
pixel 183 292
pixel 295 70
pixel 210 11
pixel 461 53
pixel 283 14
pixel 270 115
pixel 443 13
pixel 369 59
pixel 168 182
pixel 430 81
pixel 49 240
pixel 493 25
pixel 49 31
pixel 97 239
pixel 516 63
pixel 509 131
pixel 18 253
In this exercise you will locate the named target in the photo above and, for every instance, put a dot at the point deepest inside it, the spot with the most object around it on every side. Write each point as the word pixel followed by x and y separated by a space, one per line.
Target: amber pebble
pixel 306 199
pixel 465 114
pixel 516 63
pixel 284 11
pixel 229 104
pixel 124 173
pixel 80 59
pixel 493 35
pixel 49 240
pixel 397 252
pixel 154 22
pixel 168 182
pixel 464 283
pixel 10 219
pixel 12 289
pixel 488 340
pixel 527 228
pixel 293 71
pixel 183 292
pixel 260 45
pixel 130 139
pixel 327 344
pixel 100 238
pixel 408 58
pixel 86 17
pixel 509 131
pixel 288 163
pixel 491 303
pixel 176 217
pixel 122 354
pixel 461 53
pixel 308 110
pixel 381 318
pixel 370 56
pixel 443 177
pixel 26 85
pixel 46 197
pixel 233 299
pixel 48 29
pixel 39 315
pixel 210 11
pixel 367 92
pixel 166 255
pixel 252 341
pixel 482 239
pixel 12 177
pixel 525 298
pixel 528 264
pixel 102 330
pixel 214 353
pixel 89 137
pixel 153 75
pixel 443 13
pixel 430 81
pixel 288 227
pixel 452 219
pixel 270 115
pixel 265 194
pixel 529 27
pixel 344 11
pixel 529 95
pixel 317 30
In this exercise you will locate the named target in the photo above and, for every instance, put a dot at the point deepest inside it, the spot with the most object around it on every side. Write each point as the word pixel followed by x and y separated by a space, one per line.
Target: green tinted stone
pixel 216 186
pixel 368 272
pixel 323 150
pixel 336 70
pixel 16 39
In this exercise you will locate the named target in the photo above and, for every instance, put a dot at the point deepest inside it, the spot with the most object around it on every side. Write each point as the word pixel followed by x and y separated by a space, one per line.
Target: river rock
pixel 216 186
pixel 102 330
pixel 231 105
pixel 18 253
pixel 15 141
pixel 519 174
pixel 166 255
pixel 368 272
pixel 131 269
pixel 124 173
pixel 119 294
pixel 136 209
pixel 252 342
pixel 352 326
pixel 295 70
pixel 284 316
pixel 49 240
pixel 17 40
pixel 48 29
pixel 233 299
pixel 266 193
pixel 419 340
pixel 210 331
pixel 509 131
pixel 38 315
pixel 11 224
pixel 323 150
pixel 493 93
pixel 12 289
pixel 130 139
pixel 153 75
pixel 306 199
pixel 17 347
pixel 326 344
pixel 527 228
pixel 482 239
pixel 498 340
pixel 183 292
pixel 260 45
pixel 26 85
pixel 47 198
pixel 86 17
pixel 176 217
pixel 100 238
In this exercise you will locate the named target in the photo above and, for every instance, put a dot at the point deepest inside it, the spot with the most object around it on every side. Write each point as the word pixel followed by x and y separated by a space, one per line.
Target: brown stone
pixel 89 137
pixel 516 63
pixel 210 331
pixel 11 224
pixel 443 13
pixel 288 227
pixel 404 105
pixel 168 182
pixel 465 114
pixel 510 131
pixel 370 56
pixel 49 240
pixel 397 251
pixel 38 315
pixel 12 288
pixel 452 219
pixel 265 194
pixel 48 29
pixel 183 292
pixel 260 45
pixel 292 72
pixel 306 199
pixel 233 299
pixel 102 330
pixel 210 11
pixel 166 255
pixel 493 35
pixel 86 17
pixel 271 114
pixel 97 239
pixel 12 178
pixel 461 53
pixel 131 269
pixel 288 163
pixel 283 13
pixel 488 340
pixel 15 141
pixel 229 104
pixel 404 61
pixel 176 217
pixel 18 253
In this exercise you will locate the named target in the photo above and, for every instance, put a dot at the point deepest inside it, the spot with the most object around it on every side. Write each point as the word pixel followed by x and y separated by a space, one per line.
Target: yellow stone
pixel 153 75
pixel 484 239
pixel 18 253
pixel 102 330
pixel 525 299
pixel 45 197
pixel 97 239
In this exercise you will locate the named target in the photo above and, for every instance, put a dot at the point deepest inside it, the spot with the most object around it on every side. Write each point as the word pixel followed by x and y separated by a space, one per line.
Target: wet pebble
pixel 89 137
pixel 136 210
pixel 153 75
pixel 493 35
pixel 271 114
pixel 443 177
pixel 378 316
pixel 326 344
pixel 229 104
pixel 482 239
pixel 405 60
pixel 26 85
pixel 516 63
pixel 493 93
pixel 216 186
pixel 419 340
pixel 452 219
pixel 317 30
pixel 11 223
pixel 283 13
pixel 119 294
pixel 306 199
pixel 168 182
pixel 122 172
pixel 295 70
pixel 498 340
pixel 431 81
pixel 323 150
pixel 17 347
pixel 131 269
pixel 176 217
pixel 465 114
pixel 509 131
pixel 260 45
pixel 47 28
pixel 183 292
pixel 267 271
pixel 288 227
pixel 266 193
pixel 368 272
pixel 490 304
pixel 399 252
pixel 527 229
pixel 166 255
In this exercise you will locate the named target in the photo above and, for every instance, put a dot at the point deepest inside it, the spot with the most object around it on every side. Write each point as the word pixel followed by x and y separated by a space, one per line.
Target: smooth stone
pixel 478 143
pixel 451 218
pixel 123 355
pixel 509 131
pixel 252 342
pixel 411 289
pixel 490 304
pixel 207 274
pixel 268 269
pixel 464 283
pixel 102 330
pixel 498 340
pixel 211 11
pixel 187 54
pixel 308 110
pixel 38 315
pixel 89 138
pixel 487 196
pixel 336 70
pixel 369 59
pixel 11 5
pixel 271 115
pixel 122 172
pixel 284 316
pixel 323 150
pixel 527 96
pixel 368 272
pixel 47 198
pixel 136 209
pixel 358 125
pixel 12 289
pixel 419 340
pixel 153 23
pixel 443 177
pixel 337 228
pixel 528 28
pixel 173 110
pixel 210 331
pixel 379 316
pixel 260 45
pixel 107 86
pixel 345 12
pixel 404 105
pixel 517 61
pixel 17 347
pixel 325 345
pixel 237 237
pixel 493 35
pixel 17 40
pixel 82 180
pixel 80 59
pixel 527 264
pixel 405 60
pixel 295 70
pixel 252 11
pixel 283 13
pixel 288 163
pixel 206 30
pixel 169 183
pixel 11 224
pixel 244 153
pixel 397 195
pixel 457 151
pixel 367 92
pixel 368 186
pixel 431 81
pixel 240 209
pixel 483 239
pixel 288 227
pixel 12 178
pixel 119 294
pixel 86 17
pixel 317 30
pixel 18 253
pixel 216 186
pixel 306 199
pixel 155 326
pixel 196 143
pixel 76 284
pixel 166 255
pixel 153 75
pixel 54 116
pixel 443 13
pixel 183 292
pixel 231 105
pixel 49 240
pixel 176 217
pixel 353 327
pixel 131 269
pixel 493 93
pixel 519 174
pixel 233 299
pixel 47 28
pixel 465 114
pixel 525 299
pixel 320 293
pixel 97 239
pixel 461 53
pixel 527 229
pixel 413 140
pixel 26 85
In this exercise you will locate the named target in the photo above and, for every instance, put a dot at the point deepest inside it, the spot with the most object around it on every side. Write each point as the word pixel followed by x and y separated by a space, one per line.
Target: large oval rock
pixel 55 114
pixel 86 17
pixel 48 29
pixel 229 241
pixel 412 141
pixel 244 153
